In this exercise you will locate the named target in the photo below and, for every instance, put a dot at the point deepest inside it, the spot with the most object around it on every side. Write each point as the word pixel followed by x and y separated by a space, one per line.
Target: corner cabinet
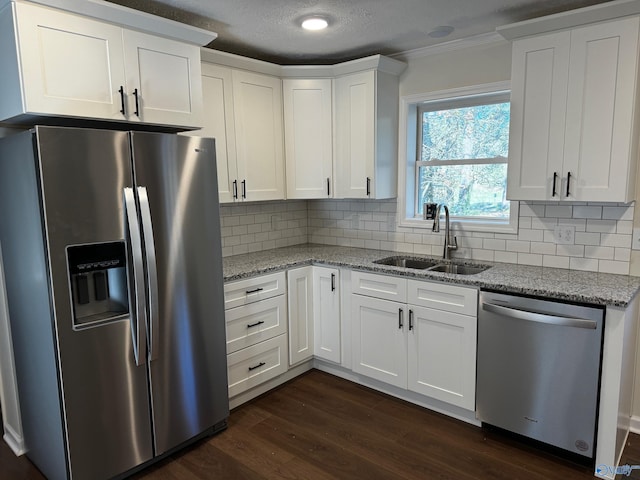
pixel 366 134
pixel 308 137
pixel 574 120
pixel 300 298
pixel 60 64
pixel 326 314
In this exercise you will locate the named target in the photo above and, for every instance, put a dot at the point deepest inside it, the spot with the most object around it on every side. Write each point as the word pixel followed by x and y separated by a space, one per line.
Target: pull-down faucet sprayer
pixel 448 244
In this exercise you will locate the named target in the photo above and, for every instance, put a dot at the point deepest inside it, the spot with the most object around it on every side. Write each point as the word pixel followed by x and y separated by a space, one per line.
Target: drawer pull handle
pixel 255 324
pixel 249 292
pixel 261 364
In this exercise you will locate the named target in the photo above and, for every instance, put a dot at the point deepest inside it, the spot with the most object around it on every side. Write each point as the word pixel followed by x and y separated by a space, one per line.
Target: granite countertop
pixel 557 283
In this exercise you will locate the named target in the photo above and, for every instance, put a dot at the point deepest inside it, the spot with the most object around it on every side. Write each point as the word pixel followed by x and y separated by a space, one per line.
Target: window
pixel 458 157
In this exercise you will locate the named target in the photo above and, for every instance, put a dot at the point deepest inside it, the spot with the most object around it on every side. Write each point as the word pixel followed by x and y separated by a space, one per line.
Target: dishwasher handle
pixel 530 316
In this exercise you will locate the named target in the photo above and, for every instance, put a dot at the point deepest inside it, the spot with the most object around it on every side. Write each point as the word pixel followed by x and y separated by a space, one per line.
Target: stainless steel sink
pixel 407 262
pixel 459 269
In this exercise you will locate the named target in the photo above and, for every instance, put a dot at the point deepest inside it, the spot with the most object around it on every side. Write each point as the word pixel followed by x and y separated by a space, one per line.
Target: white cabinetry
pixel 243 112
pixel 326 314
pixel 308 137
pixel 218 122
pixel 257 103
pixel 300 297
pixel 574 125
pixel 416 335
pixel 60 64
pixel 256 319
pixel 366 134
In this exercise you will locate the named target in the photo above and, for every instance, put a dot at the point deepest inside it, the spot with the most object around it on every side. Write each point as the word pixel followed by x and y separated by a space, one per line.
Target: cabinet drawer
pixel 256 322
pixel 379 286
pixel 443 296
pixel 252 290
pixel 254 365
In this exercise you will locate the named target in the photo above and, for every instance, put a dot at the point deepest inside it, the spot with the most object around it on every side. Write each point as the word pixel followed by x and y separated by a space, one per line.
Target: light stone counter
pixel 555 283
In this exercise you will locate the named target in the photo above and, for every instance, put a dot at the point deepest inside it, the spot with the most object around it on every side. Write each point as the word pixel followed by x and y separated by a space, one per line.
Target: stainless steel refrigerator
pixel 113 265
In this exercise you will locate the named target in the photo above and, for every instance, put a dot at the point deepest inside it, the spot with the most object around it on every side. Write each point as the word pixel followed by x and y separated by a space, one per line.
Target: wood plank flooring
pixel 322 427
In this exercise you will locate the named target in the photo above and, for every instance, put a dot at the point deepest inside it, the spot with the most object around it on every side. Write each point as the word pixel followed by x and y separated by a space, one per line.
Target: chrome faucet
pixel 448 244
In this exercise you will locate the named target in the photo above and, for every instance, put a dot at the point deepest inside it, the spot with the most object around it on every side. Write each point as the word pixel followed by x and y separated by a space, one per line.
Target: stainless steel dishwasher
pixel 538 369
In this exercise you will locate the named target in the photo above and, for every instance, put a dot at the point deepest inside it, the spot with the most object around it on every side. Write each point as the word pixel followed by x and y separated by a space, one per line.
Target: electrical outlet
pixel 565 234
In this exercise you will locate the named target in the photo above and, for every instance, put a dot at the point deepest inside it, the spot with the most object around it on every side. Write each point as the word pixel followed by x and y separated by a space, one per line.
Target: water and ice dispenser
pixel 98 281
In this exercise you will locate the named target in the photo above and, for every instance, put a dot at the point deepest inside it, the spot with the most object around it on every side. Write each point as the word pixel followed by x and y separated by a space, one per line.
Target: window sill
pixel 462 225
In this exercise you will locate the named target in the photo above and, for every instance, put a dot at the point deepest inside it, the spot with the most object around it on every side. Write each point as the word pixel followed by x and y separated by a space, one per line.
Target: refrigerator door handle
pixel 134 244
pixel 152 272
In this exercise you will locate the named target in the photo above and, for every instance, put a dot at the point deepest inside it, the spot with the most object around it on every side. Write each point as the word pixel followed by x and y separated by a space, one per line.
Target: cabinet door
pixel 218 123
pixel 600 109
pixel 308 137
pixel 300 297
pixel 539 75
pixel 164 83
pixel 355 135
pixel 71 66
pixel 378 339
pixel 326 313
pixel 257 102
pixel 442 356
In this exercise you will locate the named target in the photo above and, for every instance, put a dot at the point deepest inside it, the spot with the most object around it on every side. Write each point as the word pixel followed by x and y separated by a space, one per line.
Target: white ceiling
pixel 269 29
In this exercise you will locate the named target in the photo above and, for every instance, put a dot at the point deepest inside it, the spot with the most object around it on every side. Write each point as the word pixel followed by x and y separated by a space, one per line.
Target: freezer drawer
pixel 539 368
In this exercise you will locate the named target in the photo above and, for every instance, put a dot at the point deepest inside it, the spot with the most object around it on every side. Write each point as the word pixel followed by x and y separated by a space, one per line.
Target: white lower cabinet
pixel 426 346
pixel 254 365
pixel 256 326
pixel 379 339
pixel 300 298
pixel 327 332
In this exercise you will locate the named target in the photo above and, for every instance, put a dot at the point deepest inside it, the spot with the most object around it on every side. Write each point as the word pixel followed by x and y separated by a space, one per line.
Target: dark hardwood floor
pixel 321 427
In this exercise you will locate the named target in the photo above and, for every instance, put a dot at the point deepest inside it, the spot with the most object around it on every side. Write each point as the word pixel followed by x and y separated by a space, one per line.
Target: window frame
pixel 411 107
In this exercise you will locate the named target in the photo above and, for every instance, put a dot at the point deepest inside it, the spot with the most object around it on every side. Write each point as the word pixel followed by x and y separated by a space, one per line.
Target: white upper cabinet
pixel 61 64
pixel 218 122
pixel 243 112
pixel 366 134
pixel 163 80
pixel 68 65
pixel 574 128
pixel 257 103
pixel 308 137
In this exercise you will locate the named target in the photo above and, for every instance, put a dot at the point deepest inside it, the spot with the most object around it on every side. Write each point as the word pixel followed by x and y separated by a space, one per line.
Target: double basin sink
pixel 432 265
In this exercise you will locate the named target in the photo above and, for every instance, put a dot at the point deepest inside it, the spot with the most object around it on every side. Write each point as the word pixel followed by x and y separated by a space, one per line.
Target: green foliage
pixel 480 132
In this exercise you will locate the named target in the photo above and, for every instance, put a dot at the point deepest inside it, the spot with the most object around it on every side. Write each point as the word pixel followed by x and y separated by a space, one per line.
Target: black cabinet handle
pixel 251 325
pixel 400 315
pixel 328 187
pixel 122 110
pixel 368 187
pixel 261 364
pixel 333 282
pixel 568 182
pixel 555 177
pixel 249 292
pixel 235 189
pixel 135 94
pixel 410 319
pixel 244 188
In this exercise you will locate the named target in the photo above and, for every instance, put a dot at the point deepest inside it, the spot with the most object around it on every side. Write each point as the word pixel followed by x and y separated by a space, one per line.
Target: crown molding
pixel 483 39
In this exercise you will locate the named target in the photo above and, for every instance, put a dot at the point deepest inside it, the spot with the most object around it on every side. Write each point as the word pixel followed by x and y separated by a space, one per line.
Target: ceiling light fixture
pixel 441 31
pixel 314 23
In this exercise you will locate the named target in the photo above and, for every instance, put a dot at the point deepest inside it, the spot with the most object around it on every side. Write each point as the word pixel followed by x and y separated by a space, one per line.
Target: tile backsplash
pixel 599 237
pixel 257 226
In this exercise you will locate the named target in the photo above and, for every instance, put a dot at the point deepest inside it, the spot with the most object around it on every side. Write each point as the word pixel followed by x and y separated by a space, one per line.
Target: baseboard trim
pixel 634 425
pixel 15 441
